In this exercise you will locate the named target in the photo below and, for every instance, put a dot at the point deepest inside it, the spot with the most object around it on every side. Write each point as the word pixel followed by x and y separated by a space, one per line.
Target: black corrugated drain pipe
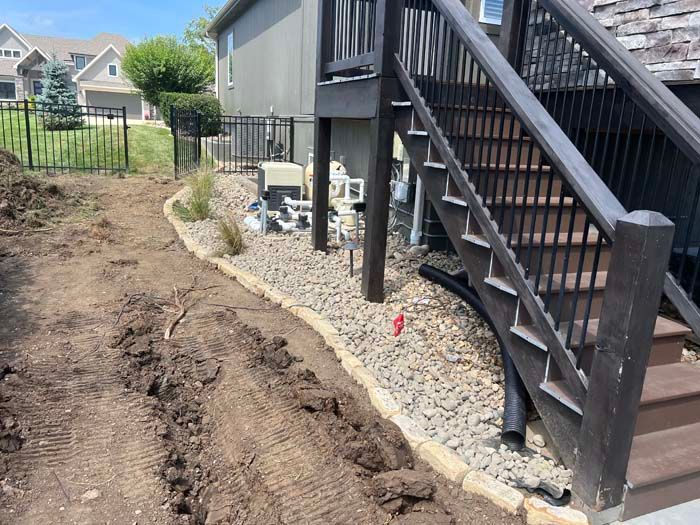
pixel 515 407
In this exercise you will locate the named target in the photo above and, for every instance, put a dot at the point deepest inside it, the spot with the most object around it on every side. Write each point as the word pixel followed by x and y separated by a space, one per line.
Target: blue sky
pixel 84 18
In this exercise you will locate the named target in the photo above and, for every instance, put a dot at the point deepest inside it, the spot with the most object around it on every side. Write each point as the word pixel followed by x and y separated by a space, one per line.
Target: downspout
pixel 418 211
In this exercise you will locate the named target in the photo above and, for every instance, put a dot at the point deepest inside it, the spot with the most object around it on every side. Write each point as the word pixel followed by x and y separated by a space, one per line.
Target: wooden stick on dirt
pixel 183 310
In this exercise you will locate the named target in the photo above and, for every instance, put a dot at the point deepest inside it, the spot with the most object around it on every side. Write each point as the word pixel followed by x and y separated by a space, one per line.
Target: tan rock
pixel 507 498
pixel 384 402
pixel 444 460
pixel 364 377
pixel 413 433
pixel 542 513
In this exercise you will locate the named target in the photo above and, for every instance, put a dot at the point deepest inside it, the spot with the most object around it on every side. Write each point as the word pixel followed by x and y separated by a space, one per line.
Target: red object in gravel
pixel 399 324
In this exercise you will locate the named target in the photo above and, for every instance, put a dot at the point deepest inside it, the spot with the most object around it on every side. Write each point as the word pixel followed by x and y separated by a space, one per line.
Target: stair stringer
pixel 562 423
pixel 576 381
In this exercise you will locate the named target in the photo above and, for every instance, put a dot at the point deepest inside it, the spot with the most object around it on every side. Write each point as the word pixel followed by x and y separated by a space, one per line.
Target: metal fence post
pixel 291 139
pixel 126 140
pixel 29 134
pixel 173 132
pixel 198 137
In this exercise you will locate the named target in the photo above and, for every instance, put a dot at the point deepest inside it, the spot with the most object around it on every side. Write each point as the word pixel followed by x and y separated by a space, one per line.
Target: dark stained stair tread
pixel 540 202
pixel 664 455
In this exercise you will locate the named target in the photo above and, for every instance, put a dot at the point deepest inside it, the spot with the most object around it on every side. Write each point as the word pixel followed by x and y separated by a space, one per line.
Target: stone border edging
pixel 441 458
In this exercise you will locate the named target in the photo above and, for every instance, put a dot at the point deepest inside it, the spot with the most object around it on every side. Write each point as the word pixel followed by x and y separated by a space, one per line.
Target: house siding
pixel 274 68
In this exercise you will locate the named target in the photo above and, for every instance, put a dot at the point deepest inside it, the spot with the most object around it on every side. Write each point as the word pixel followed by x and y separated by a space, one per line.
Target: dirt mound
pixel 360 436
pixel 27 201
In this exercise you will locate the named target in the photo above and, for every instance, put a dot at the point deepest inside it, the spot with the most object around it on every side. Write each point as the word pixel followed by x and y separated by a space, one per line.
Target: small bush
pixel 202 186
pixel 182 212
pixel 231 235
pixel 208 105
pixel 199 209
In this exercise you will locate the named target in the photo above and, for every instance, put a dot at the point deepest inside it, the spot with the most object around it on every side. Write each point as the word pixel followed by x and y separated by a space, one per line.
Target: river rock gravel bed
pixel 444 369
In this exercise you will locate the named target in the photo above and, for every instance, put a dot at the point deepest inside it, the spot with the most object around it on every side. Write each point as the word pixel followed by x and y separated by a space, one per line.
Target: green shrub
pixel 207 105
pixel 201 190
pixel 231 235
pixel 162 64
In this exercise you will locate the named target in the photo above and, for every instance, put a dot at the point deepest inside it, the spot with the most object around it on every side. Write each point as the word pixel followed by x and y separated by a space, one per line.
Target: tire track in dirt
pixel 252 410
pixel 85 432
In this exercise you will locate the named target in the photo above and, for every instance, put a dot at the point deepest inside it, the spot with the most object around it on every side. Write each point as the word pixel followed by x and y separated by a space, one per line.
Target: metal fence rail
pixel 59 137
pixel 241 144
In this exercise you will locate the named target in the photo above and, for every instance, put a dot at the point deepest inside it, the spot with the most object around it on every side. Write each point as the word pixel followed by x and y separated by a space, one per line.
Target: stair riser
pixel 669 414
pixel 660 495
pixel 478 151
pixel 566 305
pixel 509 180
pixel 516 215
pixel 475 124
pixel 574 256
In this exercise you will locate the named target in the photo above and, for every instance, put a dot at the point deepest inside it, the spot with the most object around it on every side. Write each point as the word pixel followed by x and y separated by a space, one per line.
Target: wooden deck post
pixel 633 290
pixel 322 160
pixel 387 37
pixel 513 30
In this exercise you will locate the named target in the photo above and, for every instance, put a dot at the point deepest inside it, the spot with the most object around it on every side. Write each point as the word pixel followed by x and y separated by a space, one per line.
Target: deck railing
pixel 640 139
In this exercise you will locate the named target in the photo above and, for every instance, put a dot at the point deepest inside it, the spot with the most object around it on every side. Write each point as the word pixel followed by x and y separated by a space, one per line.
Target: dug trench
pixel 138 385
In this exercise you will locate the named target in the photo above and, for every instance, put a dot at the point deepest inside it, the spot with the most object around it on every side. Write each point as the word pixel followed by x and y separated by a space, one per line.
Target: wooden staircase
pixel 571 280
pixel 658 475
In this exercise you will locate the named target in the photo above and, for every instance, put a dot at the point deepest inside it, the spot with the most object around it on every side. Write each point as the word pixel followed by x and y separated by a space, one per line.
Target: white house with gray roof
pixel 94 68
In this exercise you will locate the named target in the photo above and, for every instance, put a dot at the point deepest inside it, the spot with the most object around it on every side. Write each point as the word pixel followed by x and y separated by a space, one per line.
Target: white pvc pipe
pixel 418 211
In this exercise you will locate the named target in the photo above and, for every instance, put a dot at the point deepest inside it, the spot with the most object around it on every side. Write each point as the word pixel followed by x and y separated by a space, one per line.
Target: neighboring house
pixel 94 68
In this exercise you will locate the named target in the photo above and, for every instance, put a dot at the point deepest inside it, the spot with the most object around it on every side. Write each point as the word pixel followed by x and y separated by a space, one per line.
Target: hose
pixel 515 409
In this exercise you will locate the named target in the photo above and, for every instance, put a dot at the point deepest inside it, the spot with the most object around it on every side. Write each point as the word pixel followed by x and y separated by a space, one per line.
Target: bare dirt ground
pixel 242 416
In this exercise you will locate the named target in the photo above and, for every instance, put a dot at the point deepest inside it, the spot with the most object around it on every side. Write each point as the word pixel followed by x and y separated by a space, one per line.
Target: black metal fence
pixel 241 144
pixel 60 137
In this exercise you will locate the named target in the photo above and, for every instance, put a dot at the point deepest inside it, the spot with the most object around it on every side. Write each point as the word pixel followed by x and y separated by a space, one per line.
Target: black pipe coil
pixel 515 406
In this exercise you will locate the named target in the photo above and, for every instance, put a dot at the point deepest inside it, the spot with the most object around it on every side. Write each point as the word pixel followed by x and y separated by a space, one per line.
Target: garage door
pixel 116 100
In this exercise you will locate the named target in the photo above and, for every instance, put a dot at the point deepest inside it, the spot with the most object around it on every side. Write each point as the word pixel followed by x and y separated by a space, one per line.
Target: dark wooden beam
pixel 387 34
pixel 349 63
pixel 353 99
pixel 513 30
pixel 625 336
pixel 323 38
pixel 322 160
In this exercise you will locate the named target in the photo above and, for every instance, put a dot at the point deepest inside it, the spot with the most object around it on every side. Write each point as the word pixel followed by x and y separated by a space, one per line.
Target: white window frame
pixel 116 68
pixel 12 52
pixel 13 84
pixel 486 20
pixel 229 59
pixel 75 62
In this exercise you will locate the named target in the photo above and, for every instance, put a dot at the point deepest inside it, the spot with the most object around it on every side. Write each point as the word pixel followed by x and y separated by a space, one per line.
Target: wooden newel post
pixel 387 37
pixel 633 290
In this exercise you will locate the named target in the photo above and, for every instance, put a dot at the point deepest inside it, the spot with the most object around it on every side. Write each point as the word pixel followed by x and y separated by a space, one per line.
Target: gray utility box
pixel 281 179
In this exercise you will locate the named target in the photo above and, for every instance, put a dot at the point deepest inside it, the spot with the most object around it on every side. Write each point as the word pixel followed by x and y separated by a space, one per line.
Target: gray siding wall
pixel 274 65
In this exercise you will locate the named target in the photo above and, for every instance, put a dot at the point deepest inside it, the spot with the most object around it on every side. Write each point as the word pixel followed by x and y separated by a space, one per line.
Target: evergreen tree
pixel 58 101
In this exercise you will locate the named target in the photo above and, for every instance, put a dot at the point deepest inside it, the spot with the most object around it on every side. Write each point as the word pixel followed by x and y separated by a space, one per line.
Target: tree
pixel 162 64
pixel 58 101
pixel 195 34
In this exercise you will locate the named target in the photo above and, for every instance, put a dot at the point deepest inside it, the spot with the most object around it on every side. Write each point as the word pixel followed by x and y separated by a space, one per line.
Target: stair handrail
pixel 668 112
pixel 581 179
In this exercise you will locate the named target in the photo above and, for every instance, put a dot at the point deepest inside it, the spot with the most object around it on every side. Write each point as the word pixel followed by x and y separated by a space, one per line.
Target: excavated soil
pixel 138 385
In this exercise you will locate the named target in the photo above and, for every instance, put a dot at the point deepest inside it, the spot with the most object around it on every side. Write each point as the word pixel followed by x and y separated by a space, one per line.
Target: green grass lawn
pixel 150 150
pixel 97 146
